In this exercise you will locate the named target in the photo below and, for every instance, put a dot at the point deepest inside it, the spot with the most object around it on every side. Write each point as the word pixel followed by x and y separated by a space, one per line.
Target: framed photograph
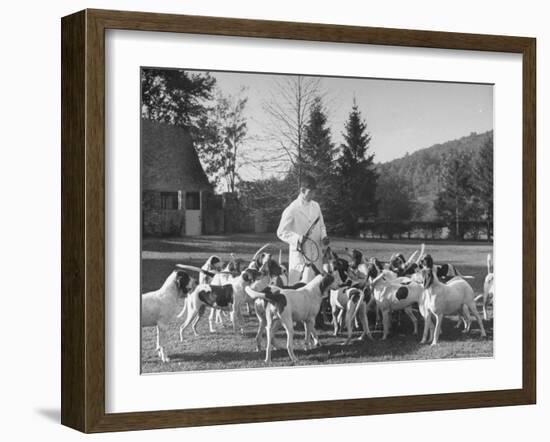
pixel 267 221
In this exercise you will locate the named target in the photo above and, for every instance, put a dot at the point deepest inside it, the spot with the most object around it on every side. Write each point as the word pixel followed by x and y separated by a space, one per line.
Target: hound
pixel 400 267
pixel 211 268
pixel 392 293
pixel 228 297
pixel 488 288
pixel 445 272
pixel 445 299
pixel 281 279
pixel 212 265
pixel 289 306
pixel 260 304
pixel 223 277
pixel 213 276
pixel 352 303
pixel 159 308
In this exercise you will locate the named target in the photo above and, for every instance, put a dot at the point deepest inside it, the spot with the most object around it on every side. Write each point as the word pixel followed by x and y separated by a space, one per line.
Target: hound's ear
pixel 326 282
pixel 428 261
pixel 182 279
pixel 274 268
pixel 250 275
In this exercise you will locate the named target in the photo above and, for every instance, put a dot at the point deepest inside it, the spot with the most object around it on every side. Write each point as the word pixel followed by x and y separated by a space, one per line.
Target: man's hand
pixel 325 241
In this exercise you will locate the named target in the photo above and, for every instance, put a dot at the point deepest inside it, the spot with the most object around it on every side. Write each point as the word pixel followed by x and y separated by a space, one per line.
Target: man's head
pixel 307 187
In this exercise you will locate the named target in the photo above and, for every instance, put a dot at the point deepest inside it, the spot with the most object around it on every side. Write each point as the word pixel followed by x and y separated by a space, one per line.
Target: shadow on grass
pixel 216 356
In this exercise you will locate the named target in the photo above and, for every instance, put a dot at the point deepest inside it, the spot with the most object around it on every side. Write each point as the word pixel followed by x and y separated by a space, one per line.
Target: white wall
pixel 30 183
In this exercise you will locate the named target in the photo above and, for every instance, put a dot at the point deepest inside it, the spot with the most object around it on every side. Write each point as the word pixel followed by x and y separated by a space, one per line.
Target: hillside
pixel 420 169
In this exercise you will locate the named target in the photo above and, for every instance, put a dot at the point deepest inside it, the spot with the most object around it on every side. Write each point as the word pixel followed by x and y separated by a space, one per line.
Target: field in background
pixel 225 350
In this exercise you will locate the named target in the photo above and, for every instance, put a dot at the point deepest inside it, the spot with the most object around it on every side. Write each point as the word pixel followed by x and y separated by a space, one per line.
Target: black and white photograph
pixel 295 220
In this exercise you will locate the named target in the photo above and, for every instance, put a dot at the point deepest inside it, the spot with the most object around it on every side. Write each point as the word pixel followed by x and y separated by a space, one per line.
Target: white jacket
pixel 296 219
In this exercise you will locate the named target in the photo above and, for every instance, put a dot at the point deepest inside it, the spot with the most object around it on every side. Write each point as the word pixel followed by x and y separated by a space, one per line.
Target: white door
pixel 193 221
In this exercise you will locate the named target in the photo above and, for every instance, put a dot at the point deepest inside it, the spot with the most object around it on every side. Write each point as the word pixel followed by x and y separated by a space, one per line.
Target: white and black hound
pixel 228 296
pixel 488 294
pixel 293 305
pixel 439 299
pixel 160 307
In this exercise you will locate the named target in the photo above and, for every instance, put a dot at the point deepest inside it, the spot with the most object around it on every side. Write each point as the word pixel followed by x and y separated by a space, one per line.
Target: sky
pixel 401 116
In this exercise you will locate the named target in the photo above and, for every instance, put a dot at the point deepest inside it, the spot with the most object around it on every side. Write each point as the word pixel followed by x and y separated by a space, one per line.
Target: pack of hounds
pixel 352 286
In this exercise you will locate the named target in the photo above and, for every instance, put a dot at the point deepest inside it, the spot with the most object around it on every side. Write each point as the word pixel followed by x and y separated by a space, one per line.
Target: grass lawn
pixel 226 350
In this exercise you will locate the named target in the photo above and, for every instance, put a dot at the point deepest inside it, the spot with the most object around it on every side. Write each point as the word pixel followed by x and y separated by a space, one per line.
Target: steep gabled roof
pixel 169 160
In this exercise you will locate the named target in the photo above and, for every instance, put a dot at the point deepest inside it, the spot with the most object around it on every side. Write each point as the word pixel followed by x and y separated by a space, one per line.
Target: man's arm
pixel 285 232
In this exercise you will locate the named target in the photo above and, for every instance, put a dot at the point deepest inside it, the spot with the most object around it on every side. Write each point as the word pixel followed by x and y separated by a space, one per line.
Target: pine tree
pixel 356 174
pixel 483 174
pixel 317 160
pixel 455 199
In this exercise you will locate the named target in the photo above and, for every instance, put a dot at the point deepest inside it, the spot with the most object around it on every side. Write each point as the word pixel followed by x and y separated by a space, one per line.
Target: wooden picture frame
pixel 83 220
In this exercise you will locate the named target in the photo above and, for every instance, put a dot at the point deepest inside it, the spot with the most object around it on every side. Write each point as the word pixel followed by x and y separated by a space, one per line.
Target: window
pixel 169 201
pixel 192 201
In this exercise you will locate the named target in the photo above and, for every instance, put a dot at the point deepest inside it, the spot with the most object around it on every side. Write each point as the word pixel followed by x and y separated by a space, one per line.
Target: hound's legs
pixel 161 340
pixel 236 316
pixel 466 318
pixel 307 335
pixel 313 333
pixel 213 313
pixel 437 330
pixel 269 333
pixel 379 317
pixel 157 348
pixel 260 314
pixel 386 320
pixel 335 321
pixel 197 319
pixel 364 320
pixel 428 328
pixel 351 308
pixel 192 317
pixel 289 328
pixel 473 308
pixel 410 314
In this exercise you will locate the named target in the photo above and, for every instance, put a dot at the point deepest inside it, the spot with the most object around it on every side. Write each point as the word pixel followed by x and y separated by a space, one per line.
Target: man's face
pixel 307 194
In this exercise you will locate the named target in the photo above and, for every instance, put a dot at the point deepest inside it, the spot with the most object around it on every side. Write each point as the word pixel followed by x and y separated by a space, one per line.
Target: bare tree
pixel 223 133
pixel 288 111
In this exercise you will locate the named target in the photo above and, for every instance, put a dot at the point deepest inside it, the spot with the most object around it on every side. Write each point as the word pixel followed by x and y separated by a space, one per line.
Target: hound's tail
pixel 353 305
pixel 268 295
pixel 209 273
pixel 489 264
pixel 458 273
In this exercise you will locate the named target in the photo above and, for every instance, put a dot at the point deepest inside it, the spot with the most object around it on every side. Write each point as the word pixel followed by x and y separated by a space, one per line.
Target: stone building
pixel 177 198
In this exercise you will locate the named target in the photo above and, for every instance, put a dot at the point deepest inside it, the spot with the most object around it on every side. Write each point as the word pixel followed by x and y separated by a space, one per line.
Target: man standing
pixel 296 220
